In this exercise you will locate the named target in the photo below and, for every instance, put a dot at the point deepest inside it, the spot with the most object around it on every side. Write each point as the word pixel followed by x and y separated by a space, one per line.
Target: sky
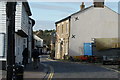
pixel 46 13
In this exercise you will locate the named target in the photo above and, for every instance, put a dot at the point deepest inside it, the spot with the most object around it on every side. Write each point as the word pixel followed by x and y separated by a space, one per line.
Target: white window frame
pixel 2 46
pixel 67 28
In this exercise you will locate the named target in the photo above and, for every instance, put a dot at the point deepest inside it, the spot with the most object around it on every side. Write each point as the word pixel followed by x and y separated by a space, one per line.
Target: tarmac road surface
pixel 74 71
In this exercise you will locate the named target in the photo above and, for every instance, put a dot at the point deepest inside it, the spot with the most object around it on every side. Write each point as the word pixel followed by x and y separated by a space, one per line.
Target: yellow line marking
pixel 51 73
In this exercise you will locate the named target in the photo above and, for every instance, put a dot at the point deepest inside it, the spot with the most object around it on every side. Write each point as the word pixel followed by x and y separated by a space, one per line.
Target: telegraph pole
pixel 10 13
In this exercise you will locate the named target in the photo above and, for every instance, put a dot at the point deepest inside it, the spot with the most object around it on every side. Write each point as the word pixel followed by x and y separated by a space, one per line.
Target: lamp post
pixel 10 13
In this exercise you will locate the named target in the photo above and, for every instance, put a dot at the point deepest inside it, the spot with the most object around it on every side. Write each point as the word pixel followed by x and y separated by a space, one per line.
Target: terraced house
pixel 62 38
pixel 90 31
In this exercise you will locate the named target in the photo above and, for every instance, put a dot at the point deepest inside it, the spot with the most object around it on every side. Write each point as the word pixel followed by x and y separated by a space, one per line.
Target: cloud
pixel 52 7
pixel 70 0
pixel 44 24
pixel 60 0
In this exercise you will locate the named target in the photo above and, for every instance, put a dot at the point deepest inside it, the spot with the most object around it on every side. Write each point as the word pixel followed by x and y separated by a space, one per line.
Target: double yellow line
pixel 51 73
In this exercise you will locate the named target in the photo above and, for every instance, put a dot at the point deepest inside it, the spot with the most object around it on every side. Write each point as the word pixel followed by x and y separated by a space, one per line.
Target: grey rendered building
pixel 92 25
pixel 89 24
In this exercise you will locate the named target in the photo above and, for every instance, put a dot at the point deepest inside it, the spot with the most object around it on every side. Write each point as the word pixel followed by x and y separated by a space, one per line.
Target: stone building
pixel 62 38
pixel 86 27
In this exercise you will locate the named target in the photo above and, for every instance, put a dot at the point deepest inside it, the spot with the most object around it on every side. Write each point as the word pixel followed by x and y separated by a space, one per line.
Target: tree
pixel 45 35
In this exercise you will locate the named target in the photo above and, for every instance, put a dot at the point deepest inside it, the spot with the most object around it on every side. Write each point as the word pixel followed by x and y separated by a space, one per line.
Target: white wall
pixel 21 23
pixel 3 37
pixel 38 41
pixel 25 20
pixel 18 16
pixel 92 23
pixel 22 18
pixel 2 17
pixel 2 42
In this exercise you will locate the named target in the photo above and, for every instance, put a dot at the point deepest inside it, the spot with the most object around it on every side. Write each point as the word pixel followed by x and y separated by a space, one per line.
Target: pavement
pixel 35 74
pixel 30 73
pixel 0 74
pixel 3 74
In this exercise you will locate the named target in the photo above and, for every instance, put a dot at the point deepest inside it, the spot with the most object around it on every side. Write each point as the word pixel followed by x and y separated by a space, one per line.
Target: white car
pixel 111 60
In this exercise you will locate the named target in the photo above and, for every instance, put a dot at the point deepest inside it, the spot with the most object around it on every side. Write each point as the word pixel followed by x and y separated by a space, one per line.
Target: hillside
pixel 45 35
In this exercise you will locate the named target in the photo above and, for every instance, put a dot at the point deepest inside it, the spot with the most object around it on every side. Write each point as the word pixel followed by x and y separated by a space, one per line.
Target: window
pixel 67 28
pixel 66 47
pixel 62 28
pixel 2 45
pixel 58 29
pixel 24 41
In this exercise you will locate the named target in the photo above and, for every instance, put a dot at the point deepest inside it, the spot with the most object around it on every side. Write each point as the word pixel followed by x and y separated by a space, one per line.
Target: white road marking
pixel 111 69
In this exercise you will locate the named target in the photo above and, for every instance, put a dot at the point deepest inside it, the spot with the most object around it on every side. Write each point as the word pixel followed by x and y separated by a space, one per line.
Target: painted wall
pixel 20 44
pixel 18 16
pixel 92 23
pixel 24 20
pixel 24 24
pixel 38 42
pixel 2 17
pixel 21 18
pixel 21 23
pixel 3 32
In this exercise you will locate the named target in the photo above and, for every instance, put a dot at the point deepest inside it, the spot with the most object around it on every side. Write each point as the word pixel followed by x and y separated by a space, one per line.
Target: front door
pixel 88 49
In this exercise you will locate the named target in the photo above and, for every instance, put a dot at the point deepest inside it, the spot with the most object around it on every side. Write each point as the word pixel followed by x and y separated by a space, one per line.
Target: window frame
pixel 3 52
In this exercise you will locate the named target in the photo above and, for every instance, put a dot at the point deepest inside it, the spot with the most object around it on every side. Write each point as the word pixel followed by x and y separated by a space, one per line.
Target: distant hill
pixel 45 35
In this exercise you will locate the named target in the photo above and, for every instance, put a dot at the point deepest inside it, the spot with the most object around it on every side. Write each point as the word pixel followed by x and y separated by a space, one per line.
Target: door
pixel 88 49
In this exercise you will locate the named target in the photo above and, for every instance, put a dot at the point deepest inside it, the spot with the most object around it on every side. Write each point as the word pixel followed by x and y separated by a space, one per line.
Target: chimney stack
pixel 82 6
pixel 99 3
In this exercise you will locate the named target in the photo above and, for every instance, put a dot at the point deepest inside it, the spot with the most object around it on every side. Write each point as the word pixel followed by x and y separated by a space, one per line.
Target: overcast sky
pixel 47 13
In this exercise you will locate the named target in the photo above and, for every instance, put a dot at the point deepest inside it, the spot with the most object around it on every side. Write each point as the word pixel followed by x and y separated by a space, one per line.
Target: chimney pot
pixel 82 6
pixel 99 3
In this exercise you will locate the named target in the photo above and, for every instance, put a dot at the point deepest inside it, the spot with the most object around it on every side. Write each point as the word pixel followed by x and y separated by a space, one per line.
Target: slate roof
pixel 80 12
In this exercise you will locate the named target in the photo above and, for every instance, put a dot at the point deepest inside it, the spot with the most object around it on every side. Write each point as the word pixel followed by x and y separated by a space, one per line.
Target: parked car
pixel 111 60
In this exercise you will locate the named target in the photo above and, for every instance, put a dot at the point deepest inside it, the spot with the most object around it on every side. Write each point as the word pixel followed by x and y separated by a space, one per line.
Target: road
pixel 75 71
